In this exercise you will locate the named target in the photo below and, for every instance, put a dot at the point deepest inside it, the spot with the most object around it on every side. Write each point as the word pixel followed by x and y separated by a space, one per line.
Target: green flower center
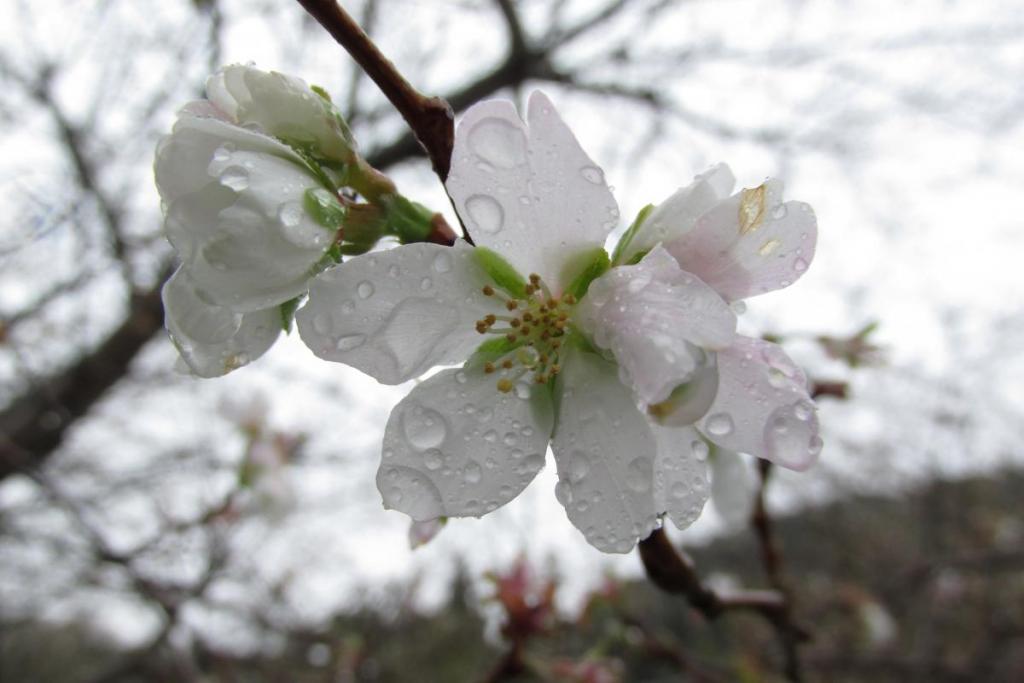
pixel 534 328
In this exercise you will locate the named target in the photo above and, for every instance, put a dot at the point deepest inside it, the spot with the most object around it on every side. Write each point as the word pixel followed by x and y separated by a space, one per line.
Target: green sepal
pixel 627 237
pixel 595 264
pixel 321 92
pixel 333 255
pixel 501 272
pixel 287 311
pixel 324 208
pixel 637 257
pixel 407 220
pixel 491 350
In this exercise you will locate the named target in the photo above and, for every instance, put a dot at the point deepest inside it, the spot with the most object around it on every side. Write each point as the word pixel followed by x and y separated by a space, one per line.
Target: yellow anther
pixel 515 322
pixel 481 326
pixel 505 385
pixel 527 317
pixel 511 304
pixel 529 289
pixel 488 290
pixel 488 367
pixel 510 337
pixel 541 379
pixel 526 329
pixel 490 319
pixel 569 299
pixel 507 364
pixel 555 369
pixel 534 279
pixel 556 344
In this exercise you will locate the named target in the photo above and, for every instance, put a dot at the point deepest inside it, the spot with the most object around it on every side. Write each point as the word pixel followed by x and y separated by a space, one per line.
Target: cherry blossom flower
pixel 248 187
pixel 617 368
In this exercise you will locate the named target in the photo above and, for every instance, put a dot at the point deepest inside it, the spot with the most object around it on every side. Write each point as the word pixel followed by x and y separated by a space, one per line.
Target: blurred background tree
pixel 154 527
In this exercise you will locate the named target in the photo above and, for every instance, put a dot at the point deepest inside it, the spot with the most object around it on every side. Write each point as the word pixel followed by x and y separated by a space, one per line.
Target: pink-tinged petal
pixel 658 321
pixel 763 407
pixel 397 313
pixel 457 447
pixel 680 474
pixel 677 215
pixel 605 452
pixel 529 192
pixel 421 533
pixel 750 243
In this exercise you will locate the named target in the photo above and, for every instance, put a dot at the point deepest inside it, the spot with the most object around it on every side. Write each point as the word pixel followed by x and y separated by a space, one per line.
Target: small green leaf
pixel 501 272
pixel 287 310
pixel 594 266
pixel 324 208
pixel 627 237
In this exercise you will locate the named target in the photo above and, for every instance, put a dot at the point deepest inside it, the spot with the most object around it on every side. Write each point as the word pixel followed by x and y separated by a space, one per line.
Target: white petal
pixel 529 192
pixel 214 340
pixel 677 215
pixel 457 447
pixel 658 321
pixel 605 452
pixel 397 313
pixel 183 158
pixel 680 474
pixel 763 407
pixel 282 106
pixel 732 488
pixel 750 243
pixel 246 240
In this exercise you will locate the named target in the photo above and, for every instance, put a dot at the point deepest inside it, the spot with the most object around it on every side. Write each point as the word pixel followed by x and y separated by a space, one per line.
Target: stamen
pixel 488 368
pixel 505 385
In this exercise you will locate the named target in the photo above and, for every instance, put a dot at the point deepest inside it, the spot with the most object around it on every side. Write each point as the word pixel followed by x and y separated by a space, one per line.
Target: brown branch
pixel 430 118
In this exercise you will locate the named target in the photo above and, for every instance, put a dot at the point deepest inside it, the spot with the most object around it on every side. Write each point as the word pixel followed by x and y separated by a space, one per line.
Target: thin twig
pixel 430 118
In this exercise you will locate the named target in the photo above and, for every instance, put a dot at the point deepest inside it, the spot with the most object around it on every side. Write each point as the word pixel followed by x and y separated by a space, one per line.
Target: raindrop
pixel 486 213
pixel 364 289
pixel 738 307
pixel 433 459
pixel 510 439
pixel 424 428
pixel 579 465
pixel 498 142
pixel 679 490
pixel 321 323
pixel 443 262
pixel 719 424
pixel 460 377
pixel 235 177
pixel 289 213
pixel 491 436
pixel 768 247
pixel 779 212
pixel 700 450
pixel 800 265
pixel 348 306
pixel 471 473
pixel 394 271
pixel 803 410
pixel 426 283
pixel 350 341
pixel 472 507
pixel 639 475
pixel 531 464
pixel 592 174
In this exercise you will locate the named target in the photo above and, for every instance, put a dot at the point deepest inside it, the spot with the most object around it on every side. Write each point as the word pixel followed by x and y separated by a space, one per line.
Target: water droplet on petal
pixel 350 341
pixel 486 213
pixel 779 212
pixel 719 424
pixel 803 410
pixel 700 450
pixel 432 459
pixel 800 265
pixel 424 428
pixel 490 436
pixel 592 174
pixel 289 213
pixel 579 465
pixel 364 289
pixel 498 142
pixel 679 490
pixel 471 473
pixel 640 475
pixel 235 177
pixel 768 247
pixel 443 262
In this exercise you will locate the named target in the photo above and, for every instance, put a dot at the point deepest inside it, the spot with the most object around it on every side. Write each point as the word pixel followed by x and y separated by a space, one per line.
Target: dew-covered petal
pixel 184 158
pixel 763 407
pixel 395 314
pixel 529 192
pixel 659 322
pixel 457 447
pixel 605 452
pixel 732 487
pixel 750 243
pixel 680 474
pixel 246 238
pixel 677 215
pixel 283 106
pixel 213 340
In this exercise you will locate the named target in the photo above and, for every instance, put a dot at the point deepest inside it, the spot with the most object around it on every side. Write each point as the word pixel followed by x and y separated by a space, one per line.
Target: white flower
pixel 467 440
pixel 250 217
pixel 742 245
